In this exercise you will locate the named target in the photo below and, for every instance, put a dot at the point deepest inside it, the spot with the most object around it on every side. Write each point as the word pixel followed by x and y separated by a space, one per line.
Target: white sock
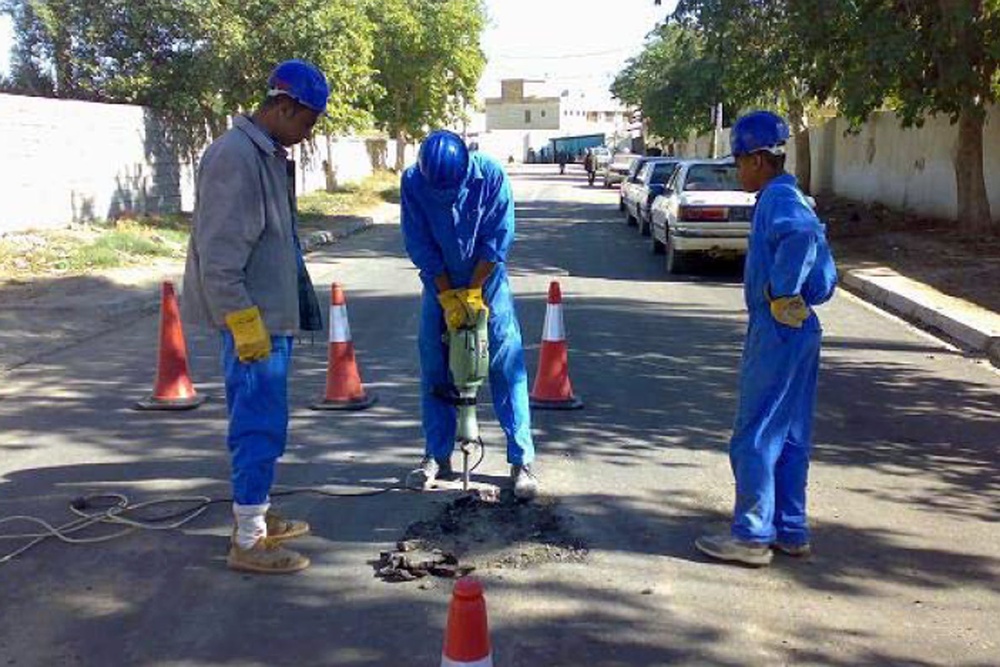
pixel 250 524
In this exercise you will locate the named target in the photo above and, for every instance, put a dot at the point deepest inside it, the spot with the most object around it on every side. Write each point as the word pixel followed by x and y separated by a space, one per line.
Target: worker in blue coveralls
pixel 245 277
pixel 789 269
pixel 458 226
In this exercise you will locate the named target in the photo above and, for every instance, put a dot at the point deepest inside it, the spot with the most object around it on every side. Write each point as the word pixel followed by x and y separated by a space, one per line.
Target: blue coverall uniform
pixel 450 232
pixel 788 255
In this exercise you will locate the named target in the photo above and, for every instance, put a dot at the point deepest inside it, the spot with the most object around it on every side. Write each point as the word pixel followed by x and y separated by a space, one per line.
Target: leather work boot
pixel 280 529
pixel 429 470
pixel 524 482
pixel 793 550
pixel 728 548
pixel 266 556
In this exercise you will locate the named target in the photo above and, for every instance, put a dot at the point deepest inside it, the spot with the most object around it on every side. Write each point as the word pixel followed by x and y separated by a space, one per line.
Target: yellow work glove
pixel 791 311
pixel 473 303
pixel 252 340
pixel 454 308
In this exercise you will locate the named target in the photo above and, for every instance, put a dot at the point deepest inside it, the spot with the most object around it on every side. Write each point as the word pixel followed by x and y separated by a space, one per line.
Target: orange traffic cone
pixel 344 390
pixel 553 390
pixel 467 637
pixel 172 389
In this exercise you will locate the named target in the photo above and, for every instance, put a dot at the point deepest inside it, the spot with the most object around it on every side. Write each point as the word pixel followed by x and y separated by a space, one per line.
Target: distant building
pixel 528 114
pixel 515 111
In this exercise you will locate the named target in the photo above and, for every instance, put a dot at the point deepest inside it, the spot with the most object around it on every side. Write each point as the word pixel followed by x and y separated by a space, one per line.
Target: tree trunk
pixel 973 202
pixel 800 134
pixel 400 152
pixel 329 171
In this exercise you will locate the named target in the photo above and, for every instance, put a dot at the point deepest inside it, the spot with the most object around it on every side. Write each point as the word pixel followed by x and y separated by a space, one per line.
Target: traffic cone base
pixel 172 388
pixel 571 403
pixel 347 405
pixel 153 403
pixel 344 389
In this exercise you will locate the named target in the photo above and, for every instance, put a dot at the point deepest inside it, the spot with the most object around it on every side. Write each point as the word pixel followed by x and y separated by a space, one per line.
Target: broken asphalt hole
pixel 470 533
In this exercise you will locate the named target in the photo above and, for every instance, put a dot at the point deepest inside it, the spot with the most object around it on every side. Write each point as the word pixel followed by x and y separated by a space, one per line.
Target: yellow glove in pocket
pixel 252 340
pixel 791 311
pixel 473 303
pixel 454 308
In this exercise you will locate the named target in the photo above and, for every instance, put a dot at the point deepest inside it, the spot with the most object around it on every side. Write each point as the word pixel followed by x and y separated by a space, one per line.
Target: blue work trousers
pixel 257 402
pixel 508 376
pixel 772 437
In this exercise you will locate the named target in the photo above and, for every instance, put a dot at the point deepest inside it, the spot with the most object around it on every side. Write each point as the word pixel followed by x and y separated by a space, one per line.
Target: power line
pixel 592 54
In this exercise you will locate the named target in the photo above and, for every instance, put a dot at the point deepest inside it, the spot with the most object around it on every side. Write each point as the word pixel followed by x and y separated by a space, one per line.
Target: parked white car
pixel 703 210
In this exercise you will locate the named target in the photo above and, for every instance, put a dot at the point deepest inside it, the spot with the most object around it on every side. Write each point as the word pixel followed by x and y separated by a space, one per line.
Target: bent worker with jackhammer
pixel 458 226
pixel 246 277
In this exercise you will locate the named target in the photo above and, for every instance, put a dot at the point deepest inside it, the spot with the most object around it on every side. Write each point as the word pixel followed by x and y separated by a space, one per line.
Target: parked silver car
pixel 618 169
pixel 702 210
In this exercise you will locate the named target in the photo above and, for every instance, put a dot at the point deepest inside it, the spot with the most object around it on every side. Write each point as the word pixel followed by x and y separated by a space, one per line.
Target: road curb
pixel 978 332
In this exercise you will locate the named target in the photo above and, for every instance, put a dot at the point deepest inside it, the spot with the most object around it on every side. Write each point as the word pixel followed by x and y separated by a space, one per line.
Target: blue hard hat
pixel 302 81
pixel 443 159
pixel 759 131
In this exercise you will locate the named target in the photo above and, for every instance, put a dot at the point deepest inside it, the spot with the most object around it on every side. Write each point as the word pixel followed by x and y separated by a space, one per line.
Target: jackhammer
pixel 469 363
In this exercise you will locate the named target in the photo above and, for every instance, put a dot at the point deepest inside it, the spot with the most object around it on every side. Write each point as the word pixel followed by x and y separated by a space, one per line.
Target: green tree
pixel 920 59
pixel 771 55
pixel 675 81
pixel 197 61
pixel 428 64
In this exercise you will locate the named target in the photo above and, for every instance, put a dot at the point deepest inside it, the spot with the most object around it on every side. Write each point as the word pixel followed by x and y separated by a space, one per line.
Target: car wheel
pixel 656 245
pixel 630 219
pixel 621 204
pixel 643 226
pixel 676 260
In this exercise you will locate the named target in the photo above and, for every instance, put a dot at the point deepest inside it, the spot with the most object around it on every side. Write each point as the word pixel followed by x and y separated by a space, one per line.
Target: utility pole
pixel 717 132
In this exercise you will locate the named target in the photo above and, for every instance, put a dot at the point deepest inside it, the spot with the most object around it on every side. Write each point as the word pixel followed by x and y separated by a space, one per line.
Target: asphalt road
pixel 905 488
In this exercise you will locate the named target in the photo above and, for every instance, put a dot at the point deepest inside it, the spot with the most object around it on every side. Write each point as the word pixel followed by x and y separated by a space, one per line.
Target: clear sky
pixel 574 43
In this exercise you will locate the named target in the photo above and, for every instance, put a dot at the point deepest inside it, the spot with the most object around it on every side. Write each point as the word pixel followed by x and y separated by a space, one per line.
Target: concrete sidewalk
pixel 45 315
pixel 971 327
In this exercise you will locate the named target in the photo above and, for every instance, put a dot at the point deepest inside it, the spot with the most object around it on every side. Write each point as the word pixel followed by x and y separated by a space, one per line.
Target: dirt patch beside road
pixel 929 251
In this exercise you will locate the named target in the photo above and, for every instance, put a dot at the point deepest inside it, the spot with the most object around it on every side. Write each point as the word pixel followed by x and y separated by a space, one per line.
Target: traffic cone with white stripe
pixel 553 390
pixel 467 637
pixel 344 390
pixel 172 389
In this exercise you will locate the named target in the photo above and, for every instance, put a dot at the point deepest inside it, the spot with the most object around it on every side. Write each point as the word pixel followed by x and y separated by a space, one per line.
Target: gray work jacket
pixel 243 249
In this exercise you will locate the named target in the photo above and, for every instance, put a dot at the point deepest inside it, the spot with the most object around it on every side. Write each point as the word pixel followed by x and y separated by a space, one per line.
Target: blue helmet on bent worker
pixel 443 160
pixel 759 131
pixel 302 81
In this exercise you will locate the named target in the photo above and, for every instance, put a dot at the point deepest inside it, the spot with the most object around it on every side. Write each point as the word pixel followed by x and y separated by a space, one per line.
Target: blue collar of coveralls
pixel 259 136
pixel 782 179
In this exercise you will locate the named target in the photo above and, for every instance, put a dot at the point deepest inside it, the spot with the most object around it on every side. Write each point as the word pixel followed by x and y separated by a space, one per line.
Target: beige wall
pixel 510 115
pixel 66 161
pixel 908 169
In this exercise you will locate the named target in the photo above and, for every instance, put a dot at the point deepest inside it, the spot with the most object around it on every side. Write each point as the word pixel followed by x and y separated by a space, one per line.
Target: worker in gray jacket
pixel 245 276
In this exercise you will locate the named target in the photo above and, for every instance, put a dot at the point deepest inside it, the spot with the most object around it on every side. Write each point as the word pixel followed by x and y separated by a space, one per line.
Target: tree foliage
pixel 675 80
pixel 915 57
pixel 428 63
pixel 201 60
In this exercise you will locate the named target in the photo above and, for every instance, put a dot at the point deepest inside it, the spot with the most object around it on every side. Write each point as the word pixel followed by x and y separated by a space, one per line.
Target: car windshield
pixel 662 172
pixel 712 178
